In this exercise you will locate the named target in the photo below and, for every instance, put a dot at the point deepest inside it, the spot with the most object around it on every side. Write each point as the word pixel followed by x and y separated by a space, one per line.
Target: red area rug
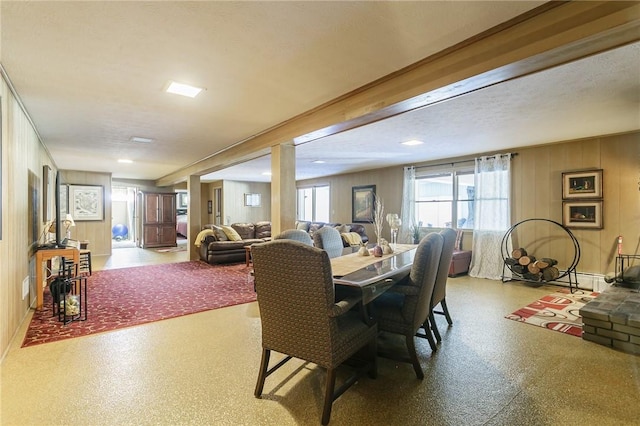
pixel 557 311
pixel 119 298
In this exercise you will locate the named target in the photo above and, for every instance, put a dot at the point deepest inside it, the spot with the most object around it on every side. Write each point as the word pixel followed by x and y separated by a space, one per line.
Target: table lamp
pixel 68 223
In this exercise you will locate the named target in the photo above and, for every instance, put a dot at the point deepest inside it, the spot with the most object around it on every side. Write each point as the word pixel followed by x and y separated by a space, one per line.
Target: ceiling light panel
pixel 183 89
pixel 412 142
pixel 138 139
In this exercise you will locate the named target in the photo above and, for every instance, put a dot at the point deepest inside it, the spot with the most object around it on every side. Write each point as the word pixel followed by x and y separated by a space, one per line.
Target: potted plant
pixel 415 232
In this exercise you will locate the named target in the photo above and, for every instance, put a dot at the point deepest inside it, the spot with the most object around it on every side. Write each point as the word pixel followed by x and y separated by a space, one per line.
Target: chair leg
pixel 328 395
pixel 434 326
pixel 262 375
pixel 373 350
pixel 443 303
pixel 411 347
pixel 428 335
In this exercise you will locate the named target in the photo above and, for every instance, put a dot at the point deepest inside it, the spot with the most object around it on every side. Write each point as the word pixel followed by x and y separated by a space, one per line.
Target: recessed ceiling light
pixel 183 89
pixel 266 173
pixel 138 139
pixel 125 161
pixel 412 142
pixel 318 161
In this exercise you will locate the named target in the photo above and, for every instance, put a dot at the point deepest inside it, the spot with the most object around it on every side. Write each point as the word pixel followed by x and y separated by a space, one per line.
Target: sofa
pixel 219 244
pixel 357 228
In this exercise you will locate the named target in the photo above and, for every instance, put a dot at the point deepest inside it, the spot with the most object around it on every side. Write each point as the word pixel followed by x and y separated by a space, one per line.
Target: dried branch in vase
pixel 378 216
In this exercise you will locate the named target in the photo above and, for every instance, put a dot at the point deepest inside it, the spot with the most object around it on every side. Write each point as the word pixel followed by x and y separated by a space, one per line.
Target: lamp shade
pixel 68 221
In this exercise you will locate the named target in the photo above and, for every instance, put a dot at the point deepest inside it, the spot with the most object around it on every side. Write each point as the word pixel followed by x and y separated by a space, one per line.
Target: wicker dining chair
pixel 301 319
pixel 330 240
pixel 405 307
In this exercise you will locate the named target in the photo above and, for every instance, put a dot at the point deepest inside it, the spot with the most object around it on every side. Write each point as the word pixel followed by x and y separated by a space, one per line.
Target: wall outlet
pixel 25 287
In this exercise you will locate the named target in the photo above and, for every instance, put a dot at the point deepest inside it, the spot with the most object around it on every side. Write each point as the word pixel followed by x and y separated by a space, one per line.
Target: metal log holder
pixel 567 276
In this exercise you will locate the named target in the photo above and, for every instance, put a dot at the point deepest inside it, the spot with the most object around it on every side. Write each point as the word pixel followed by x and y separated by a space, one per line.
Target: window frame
pixel 314 203
pixel 454 172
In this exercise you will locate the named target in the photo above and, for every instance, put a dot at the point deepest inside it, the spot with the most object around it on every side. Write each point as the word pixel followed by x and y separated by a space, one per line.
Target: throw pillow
pixel 231 233
pixel 304 226
pixel 219 233
pixel 343 228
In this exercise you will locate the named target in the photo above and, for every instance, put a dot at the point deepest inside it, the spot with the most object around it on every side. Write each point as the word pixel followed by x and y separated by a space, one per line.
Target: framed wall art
pixel 582 214
pixel 582 184
pixel 362 198
pixel 86 202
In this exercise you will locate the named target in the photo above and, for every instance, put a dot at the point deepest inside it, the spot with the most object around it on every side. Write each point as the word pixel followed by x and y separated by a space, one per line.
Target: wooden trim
pixel 551 35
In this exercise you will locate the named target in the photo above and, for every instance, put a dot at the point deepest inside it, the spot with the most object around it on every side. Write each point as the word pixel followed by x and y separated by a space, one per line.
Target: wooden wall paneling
pixel 235 211
pixel 98 233
pixel 612 196
pixel 22 154
pixel 516 193
pixel 629 207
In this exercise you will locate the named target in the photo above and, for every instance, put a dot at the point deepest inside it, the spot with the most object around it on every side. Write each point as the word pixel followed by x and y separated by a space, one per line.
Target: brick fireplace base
pixel 613 319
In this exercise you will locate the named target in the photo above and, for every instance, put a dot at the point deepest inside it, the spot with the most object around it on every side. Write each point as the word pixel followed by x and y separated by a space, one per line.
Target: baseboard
pixel 587 281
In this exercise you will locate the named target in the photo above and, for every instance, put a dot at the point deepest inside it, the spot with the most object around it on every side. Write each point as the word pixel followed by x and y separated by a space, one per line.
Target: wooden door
pixel 152 211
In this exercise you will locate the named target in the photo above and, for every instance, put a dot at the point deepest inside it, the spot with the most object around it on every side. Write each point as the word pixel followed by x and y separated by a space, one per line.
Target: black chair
pixel 301 319
pixel 405 307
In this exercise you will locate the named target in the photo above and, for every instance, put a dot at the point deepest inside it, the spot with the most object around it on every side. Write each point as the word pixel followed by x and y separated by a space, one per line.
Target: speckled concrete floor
pixel 201 370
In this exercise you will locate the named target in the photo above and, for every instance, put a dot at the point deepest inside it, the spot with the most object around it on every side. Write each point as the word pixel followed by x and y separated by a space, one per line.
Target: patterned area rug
pixel 121 298
pixel 557 311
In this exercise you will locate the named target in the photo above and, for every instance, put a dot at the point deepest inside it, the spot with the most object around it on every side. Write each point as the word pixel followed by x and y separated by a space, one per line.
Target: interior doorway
pixel 123 231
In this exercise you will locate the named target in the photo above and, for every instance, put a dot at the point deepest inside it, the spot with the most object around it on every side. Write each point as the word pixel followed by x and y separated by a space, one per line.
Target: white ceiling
pixel 91 76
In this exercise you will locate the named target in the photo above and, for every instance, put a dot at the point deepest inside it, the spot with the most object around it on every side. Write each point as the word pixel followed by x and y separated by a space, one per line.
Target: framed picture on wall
pixel 582 214
pixel 582 184
pixel 86 202
pixel 362 198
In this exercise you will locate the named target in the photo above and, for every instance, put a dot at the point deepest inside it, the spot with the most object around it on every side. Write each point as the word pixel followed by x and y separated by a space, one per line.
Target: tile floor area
pixel 201 369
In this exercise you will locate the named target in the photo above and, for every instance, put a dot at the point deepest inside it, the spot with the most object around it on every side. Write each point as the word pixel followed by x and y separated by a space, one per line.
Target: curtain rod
pixel 452 163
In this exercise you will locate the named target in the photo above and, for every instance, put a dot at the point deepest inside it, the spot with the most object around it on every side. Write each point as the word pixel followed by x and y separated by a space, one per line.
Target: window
pixel 444 199
pixel 313 204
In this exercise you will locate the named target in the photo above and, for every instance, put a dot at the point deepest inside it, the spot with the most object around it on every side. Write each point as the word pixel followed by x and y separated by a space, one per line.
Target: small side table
pixel 247 255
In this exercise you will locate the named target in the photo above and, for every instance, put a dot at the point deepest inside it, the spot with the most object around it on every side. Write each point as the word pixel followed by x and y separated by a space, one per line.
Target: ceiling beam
pixel 550 35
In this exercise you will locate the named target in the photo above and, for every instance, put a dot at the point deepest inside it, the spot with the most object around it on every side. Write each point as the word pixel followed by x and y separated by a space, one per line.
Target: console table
pixel 46 255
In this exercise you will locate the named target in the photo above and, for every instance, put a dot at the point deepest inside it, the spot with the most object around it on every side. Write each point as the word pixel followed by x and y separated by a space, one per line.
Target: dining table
pixel 371 275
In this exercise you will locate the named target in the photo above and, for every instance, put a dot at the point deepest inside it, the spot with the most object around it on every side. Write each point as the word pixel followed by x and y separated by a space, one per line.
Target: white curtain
pixel 407 214
pixel 492 215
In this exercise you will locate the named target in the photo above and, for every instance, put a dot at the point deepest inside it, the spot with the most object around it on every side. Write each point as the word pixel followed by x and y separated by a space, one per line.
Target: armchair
pixel 301 319
pixel 330 240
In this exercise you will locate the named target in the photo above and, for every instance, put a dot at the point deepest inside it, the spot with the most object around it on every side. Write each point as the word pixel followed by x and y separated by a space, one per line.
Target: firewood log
pixel 511 261
pixel 518 269
pixel 550 273
pixel 518 253
pixel 525 260
pixel 532 268
pixel 551 262
pixel 541 264
pixel 532 277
